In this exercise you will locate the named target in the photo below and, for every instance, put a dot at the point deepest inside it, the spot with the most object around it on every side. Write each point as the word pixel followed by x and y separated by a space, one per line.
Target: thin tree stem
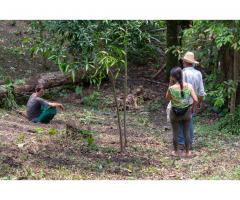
pixel 118 114
pixel 125 99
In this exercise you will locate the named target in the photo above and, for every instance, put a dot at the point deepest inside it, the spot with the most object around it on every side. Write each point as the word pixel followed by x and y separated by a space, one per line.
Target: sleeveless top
pixel 177 100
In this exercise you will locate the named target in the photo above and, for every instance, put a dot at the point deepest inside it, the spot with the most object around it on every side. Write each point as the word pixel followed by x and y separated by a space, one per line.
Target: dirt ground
pixel 38 151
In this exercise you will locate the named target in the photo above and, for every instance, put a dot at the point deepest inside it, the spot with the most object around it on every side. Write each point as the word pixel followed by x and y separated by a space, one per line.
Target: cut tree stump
pixel 47 80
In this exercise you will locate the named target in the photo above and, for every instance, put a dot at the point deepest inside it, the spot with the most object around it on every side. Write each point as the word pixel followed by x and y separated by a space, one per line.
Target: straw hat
pixel 189 58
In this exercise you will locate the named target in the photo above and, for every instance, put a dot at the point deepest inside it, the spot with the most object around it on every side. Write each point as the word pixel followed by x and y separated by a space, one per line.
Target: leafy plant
pixel 87 135
pixel 219 92
pixel 20 82
pixel 9 101
pixel 231 122
pixel 92 100
pixel 53 131
pixel 20 138
pixel 143 121
pixel 79 90
pixel 39 130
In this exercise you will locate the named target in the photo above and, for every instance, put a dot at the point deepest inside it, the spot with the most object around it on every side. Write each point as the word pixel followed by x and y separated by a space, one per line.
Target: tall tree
pixel 172 41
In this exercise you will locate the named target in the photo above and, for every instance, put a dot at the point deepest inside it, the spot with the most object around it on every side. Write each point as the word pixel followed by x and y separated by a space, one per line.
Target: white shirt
pixel 193 76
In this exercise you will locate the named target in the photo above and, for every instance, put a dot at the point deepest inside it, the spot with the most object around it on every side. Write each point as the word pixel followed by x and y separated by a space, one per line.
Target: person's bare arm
pixel 56 105
pixel 201 91
pixel 194 96
pixel 168 95
pixel 200 100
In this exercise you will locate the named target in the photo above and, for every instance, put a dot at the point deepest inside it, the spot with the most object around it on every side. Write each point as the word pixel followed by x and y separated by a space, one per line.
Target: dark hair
pixel 39 88
pixel 176 73
pixel 180 63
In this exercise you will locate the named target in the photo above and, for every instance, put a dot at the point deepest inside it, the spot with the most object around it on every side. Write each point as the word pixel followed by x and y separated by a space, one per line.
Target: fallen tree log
pixel 47 80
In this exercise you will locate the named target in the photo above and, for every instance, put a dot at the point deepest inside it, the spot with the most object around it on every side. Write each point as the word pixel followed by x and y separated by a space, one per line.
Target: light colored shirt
pixel 194 77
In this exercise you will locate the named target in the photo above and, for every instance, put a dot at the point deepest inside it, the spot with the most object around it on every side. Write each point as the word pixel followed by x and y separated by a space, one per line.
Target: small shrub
pixel 20 138
pixel 79 90
pixel 20 82
pixel 155 105
pixel 92 100
pixel 143 121
pixel 231 123
pixel 86 118
pixel 87 135
pixel 39 130
pixel 9 101
pixel 53 131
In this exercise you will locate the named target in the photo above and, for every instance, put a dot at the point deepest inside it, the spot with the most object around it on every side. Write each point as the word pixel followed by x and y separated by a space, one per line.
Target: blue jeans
pixel 180 134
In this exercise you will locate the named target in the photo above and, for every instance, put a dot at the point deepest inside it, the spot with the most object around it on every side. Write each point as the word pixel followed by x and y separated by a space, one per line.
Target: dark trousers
pixel 185 120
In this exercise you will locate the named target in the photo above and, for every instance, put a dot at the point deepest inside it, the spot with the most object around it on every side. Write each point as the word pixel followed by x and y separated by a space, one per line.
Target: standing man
pixel 40 110
pixel 194 77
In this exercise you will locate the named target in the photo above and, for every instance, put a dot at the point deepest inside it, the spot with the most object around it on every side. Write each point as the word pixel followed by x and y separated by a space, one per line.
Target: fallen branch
pixel 21 113
pixel 157 82
pixel 159 71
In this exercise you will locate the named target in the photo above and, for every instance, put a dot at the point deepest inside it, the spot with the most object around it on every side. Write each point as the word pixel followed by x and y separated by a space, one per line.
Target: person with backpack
pixel 180 94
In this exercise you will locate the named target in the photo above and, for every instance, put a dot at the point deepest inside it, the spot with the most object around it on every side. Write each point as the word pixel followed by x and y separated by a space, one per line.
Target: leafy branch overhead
pixel 83 44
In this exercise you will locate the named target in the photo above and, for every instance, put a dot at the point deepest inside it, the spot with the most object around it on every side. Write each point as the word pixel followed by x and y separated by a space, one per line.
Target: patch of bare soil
pixel 13 64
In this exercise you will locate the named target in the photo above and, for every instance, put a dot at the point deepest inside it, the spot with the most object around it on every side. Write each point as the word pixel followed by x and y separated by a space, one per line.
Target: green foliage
pixel 94 46
pixel 231 123
pixel 86 118
pixel 20 82
pixel 5 170
pixel 20 138
pixel 9 101
pixel 155 105
pixel 53 131
pixel 79 90
pixel 143 121
pixel 87 135
pixel 39 130
pixel 234 173
pixel 219 92
pixel 92 100
pixel 206 37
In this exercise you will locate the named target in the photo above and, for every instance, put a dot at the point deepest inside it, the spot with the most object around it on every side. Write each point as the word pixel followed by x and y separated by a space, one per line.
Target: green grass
pixel 234 173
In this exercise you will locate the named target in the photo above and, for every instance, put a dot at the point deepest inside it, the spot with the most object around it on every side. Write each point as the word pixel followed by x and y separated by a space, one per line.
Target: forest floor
pixel 38 151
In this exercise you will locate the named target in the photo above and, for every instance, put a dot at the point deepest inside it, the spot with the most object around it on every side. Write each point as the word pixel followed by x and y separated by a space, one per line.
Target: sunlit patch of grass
pixel 233 174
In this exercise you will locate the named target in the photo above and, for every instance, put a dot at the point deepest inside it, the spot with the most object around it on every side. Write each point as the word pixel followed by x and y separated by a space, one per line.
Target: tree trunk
pixel 226 58
pixel 184 24
pixel 125 99
pixel 118 114
pixel 236 63
pixel 172 40
pixel 224 66
pixel 47 80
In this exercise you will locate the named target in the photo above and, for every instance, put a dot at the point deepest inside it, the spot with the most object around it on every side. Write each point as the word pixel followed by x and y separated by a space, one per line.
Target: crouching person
pixel 40 110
